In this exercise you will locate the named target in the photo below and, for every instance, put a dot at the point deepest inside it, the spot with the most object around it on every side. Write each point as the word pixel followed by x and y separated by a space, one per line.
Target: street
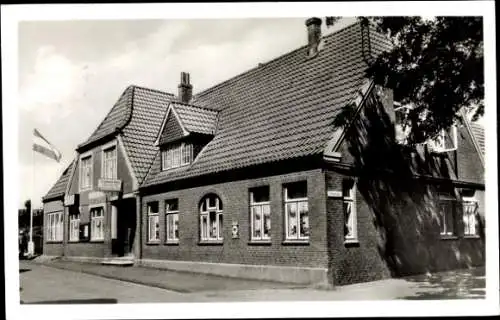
pixel 70 286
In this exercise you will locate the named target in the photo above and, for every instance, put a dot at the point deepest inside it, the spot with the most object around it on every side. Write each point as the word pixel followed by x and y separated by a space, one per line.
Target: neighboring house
pixel 251 179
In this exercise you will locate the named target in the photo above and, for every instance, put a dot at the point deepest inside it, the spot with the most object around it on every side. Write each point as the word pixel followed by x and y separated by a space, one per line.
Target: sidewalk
pixel 183 282
pixel 457 284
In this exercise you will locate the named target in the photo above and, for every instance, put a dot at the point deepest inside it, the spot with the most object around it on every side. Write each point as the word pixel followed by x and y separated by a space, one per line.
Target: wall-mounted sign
pixel 334 194
pixel 235 230
pixel 69 200
pixel 109 185
pixel 96 197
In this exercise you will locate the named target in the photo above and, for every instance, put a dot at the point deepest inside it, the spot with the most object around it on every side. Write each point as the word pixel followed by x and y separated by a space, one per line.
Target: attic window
pixel 445 141
pixel 177 155
pixel 402 129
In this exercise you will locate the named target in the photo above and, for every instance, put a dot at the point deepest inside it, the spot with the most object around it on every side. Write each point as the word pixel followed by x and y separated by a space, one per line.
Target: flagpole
pixel 31 245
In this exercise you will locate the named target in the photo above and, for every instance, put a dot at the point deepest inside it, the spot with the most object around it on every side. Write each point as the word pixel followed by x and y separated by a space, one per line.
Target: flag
pixel 41 145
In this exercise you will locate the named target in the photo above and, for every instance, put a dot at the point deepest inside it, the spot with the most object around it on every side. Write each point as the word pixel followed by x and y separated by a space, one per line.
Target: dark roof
pixel 59 188
pixel 196 119
pixel 117 117
pixel 140 133
pixel 478 132
pixel 280 110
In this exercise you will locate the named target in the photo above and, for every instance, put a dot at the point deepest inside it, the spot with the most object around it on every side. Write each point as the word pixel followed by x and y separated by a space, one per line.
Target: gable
pixel 172 130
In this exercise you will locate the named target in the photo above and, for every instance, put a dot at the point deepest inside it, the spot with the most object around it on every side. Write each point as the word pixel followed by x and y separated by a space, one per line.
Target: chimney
pixel 313 35
pixel 185 88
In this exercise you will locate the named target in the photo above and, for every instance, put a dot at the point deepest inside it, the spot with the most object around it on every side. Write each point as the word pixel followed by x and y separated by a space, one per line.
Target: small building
pixel 251 178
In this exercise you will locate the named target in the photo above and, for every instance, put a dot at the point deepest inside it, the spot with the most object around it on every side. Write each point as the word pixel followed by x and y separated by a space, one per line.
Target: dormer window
pixel 445 141
pixel 177 155
pixel 402 128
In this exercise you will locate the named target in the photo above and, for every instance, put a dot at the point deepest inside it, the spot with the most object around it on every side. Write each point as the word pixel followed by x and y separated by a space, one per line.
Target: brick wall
pixel 235 197
pixel 397 236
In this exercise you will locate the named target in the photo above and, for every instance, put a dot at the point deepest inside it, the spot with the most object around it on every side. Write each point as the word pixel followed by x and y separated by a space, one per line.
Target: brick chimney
pixel 313 35
pixel 185 88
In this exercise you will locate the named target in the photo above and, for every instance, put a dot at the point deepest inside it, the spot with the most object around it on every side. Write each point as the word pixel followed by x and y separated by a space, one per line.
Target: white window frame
pixel 438 144
pixel 83 158
pixel 261 206
pixel 153 217
pixel 299 203
pixel 470 219
pixel 95 221
pixel 219 219
pixel 175 217
pixel 349 199
pixel 55 226
pixel 105 162
pixel 174 156
pixel 445 228
pixel 406 131
pixel 74 227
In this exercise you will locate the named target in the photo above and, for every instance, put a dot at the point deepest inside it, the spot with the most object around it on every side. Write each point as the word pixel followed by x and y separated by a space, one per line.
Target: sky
pixel 70 73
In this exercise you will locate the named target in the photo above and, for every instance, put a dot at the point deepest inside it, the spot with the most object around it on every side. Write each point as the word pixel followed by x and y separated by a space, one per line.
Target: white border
pixel 12 14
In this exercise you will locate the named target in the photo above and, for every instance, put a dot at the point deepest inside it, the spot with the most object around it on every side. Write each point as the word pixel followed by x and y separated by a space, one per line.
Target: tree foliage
pixel 435 65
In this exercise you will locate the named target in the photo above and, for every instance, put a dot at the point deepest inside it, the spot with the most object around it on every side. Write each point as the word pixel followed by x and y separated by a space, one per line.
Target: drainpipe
pixel 138 228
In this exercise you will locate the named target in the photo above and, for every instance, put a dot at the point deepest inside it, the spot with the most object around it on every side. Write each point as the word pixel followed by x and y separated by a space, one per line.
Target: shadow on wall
pixel 404 208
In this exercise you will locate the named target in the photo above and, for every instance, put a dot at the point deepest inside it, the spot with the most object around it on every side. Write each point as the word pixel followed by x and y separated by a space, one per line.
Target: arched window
pixel 211 220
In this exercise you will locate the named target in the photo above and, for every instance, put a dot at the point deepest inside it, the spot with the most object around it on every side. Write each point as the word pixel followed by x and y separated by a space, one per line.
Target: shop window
pixel 55 226
pixel 211 219
pixel 97 224
pixel 296 211
pixel 349 208
pixel 74 227
pixel 153 222
pixel 260 214
pixel 172 220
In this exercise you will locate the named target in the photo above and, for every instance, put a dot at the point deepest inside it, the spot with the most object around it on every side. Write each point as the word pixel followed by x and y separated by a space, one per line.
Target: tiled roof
pixel 117 117
pixel 282 109
pixel 478 132
pixel 148 108
pixel 196 119
pixel 59 187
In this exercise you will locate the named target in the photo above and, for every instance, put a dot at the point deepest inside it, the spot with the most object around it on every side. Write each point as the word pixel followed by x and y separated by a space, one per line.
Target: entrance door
pixel 125 227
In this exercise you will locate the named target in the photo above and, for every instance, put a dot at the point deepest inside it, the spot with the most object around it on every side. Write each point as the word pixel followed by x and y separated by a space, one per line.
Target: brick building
pixel 251 179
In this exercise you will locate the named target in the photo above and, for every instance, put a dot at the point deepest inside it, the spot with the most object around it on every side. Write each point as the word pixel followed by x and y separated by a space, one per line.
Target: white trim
pixel 135 183
pixel 102 218
pixel 184 131
pixel 108 145
pixel 473 137
pixel 253 204
pixel 128 195
pixel 298 201
pixel 438 149
pixel 158 135
pixel 330 151
pixel 153 214
pixel 167 229
pixel 206 213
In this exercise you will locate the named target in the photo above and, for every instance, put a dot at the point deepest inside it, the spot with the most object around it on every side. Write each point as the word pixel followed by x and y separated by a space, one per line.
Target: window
pixel 445 141
pixel 55 226
pixel 470 209
pixel 211 219
pixel 447 214
pixel 260 214
pixel 97 224
pixel 153 222
pixel 401 127
pixel 109 170
pixel 296 211
pixel 177 155
pixel 172 220
pixel 350 217
pixel 74 227
pixel 86 173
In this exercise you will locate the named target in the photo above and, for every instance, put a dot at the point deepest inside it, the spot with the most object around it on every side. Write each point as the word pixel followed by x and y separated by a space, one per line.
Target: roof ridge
pixel 153 90
pixel 262 64
pixel 195 106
